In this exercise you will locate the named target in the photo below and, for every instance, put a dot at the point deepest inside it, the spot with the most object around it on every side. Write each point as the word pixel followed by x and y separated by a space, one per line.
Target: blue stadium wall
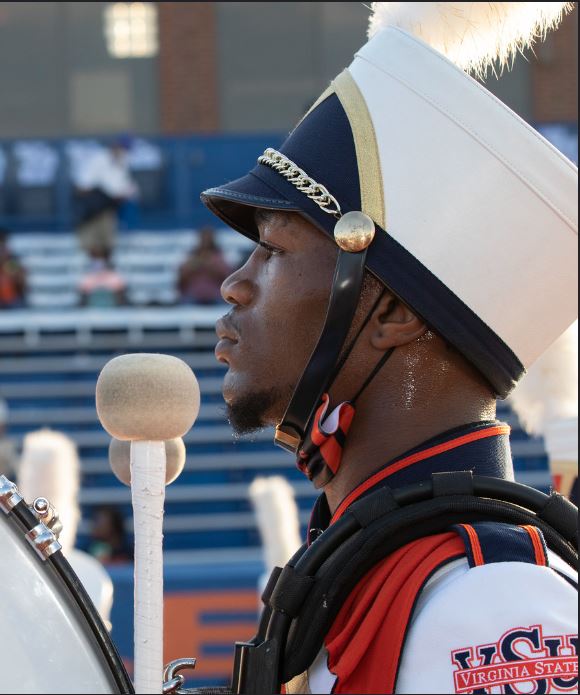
pixel 36 192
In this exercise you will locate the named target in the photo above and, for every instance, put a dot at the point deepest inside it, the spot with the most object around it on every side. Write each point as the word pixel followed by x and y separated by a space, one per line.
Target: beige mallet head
pixel 147 397
pixel 120 459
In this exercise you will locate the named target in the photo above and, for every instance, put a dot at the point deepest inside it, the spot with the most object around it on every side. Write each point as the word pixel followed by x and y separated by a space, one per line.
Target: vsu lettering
pixel 464 659
pixel 509 653
pixel 522 657
pixel 554 646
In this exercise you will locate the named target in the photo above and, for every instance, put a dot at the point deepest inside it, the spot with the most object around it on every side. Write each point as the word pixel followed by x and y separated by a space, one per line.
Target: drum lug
pixel 172 680
pixel 46 513
pixel 9 496
pixel 43 540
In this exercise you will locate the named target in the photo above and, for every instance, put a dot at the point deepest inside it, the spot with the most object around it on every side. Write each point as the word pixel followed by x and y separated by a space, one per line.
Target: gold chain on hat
pixel 300 180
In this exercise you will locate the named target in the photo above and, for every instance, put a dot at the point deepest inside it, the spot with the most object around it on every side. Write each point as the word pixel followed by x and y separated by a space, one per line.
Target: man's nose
pixel 238 289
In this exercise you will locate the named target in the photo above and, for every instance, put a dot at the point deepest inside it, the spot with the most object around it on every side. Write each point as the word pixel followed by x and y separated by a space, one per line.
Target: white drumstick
pixel 120 458
pixel 147 399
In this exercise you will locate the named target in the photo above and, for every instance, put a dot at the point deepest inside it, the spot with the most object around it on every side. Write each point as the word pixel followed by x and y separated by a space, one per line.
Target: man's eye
pixel 269 250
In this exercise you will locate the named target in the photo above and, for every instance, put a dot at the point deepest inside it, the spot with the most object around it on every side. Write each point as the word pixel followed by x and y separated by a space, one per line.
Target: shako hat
pixel 475 213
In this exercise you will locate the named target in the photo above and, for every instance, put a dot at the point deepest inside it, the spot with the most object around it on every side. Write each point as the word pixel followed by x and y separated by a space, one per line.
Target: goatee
pixel 248 413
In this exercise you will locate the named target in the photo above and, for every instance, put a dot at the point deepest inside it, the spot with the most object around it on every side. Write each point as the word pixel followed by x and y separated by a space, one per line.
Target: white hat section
pixel 472 191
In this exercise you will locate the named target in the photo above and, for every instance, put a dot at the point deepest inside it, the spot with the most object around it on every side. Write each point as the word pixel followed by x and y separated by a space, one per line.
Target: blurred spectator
pixel 7 453
pixel 12 276
pixel 108 537
pixel 202 273
pixel 102 286
pixel 104 183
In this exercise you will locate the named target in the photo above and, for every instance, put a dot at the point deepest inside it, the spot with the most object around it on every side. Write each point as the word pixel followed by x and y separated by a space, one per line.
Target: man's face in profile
pixel 279 300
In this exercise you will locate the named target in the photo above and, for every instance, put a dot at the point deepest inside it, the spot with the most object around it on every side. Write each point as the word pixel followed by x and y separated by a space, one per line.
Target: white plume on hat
pixel 549 390
pixel 49 467
pixel 277 516
pixel 473 35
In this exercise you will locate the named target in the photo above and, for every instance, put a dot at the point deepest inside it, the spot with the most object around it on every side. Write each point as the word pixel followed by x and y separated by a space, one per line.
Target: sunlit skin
pixel 279 299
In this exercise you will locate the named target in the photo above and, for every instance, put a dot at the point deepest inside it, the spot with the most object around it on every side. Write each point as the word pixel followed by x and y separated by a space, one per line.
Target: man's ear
pixel 394 324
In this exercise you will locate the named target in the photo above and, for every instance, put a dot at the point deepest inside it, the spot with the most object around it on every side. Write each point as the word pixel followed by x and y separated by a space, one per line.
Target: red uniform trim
pixel 367 637
pixel 539 553
pixel 415 458
pixel 475 544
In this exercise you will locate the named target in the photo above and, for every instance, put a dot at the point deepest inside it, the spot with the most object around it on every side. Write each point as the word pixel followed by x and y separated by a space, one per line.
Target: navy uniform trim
pixel 488 541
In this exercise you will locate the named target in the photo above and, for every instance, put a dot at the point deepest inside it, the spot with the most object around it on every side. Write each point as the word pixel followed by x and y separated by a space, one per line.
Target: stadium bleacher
pixel 55 265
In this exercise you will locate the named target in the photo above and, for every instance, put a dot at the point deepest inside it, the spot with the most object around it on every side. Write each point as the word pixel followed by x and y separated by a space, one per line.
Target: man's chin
pixel 250 412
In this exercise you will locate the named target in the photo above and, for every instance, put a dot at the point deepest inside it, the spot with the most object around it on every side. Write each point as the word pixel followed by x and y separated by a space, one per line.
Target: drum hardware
pixel 43 540
pixel 41 537
pixel 9 495
pixel 46 513
pixel 172 679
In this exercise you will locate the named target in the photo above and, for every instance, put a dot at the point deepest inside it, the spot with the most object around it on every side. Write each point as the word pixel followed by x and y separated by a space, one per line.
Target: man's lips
pixel 223 349
pixel 225 330
pixel 228 337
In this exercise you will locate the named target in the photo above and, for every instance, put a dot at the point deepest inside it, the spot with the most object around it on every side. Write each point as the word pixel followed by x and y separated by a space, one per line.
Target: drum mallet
pixel 147 399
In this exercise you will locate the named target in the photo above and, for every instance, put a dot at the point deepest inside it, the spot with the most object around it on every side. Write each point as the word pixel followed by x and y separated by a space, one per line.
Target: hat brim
pixel 235 202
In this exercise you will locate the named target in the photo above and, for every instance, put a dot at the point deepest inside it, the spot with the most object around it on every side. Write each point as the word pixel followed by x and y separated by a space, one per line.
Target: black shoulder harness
pixel 302 600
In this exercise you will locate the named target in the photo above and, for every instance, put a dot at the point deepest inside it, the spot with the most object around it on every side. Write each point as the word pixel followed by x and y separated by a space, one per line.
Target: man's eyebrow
pixel 264 215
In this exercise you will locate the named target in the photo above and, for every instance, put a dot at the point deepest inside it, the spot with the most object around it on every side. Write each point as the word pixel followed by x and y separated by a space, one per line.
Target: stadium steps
pixel 74 389
pixel 90 364
pixel 40 417
pixel 200 434
pixel 123 341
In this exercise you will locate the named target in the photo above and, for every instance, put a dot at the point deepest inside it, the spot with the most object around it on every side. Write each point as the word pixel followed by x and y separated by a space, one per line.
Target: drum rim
pixel 28 519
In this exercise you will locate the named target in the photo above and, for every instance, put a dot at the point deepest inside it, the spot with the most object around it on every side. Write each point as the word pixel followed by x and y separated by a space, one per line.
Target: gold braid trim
pixel 300 180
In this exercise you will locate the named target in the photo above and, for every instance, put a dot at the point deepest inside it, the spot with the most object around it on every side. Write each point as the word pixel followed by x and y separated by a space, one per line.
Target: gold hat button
pixel 354 231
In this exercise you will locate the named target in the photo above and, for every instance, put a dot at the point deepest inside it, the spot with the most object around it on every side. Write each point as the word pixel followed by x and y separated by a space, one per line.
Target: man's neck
pixel 385 428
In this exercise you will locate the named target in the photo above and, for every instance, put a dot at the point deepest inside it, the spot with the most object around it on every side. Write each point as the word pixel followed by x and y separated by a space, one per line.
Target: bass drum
pixel 52 639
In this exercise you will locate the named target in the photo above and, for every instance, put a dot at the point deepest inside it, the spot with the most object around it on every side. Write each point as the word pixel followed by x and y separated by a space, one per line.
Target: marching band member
pixel 416 253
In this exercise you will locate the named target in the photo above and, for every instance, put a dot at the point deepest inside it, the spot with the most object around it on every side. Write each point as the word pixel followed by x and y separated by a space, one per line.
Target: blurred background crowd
pixel 114 116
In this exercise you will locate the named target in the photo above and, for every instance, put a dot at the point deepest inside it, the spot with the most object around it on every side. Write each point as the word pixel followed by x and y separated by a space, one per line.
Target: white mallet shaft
pixel 148 461
pixel 148 496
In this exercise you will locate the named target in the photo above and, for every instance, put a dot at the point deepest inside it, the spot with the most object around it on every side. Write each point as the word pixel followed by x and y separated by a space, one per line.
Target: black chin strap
pixel 345 293
pixel 346 354
pixel 324 364
pixel 376 369
pixel 320 455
